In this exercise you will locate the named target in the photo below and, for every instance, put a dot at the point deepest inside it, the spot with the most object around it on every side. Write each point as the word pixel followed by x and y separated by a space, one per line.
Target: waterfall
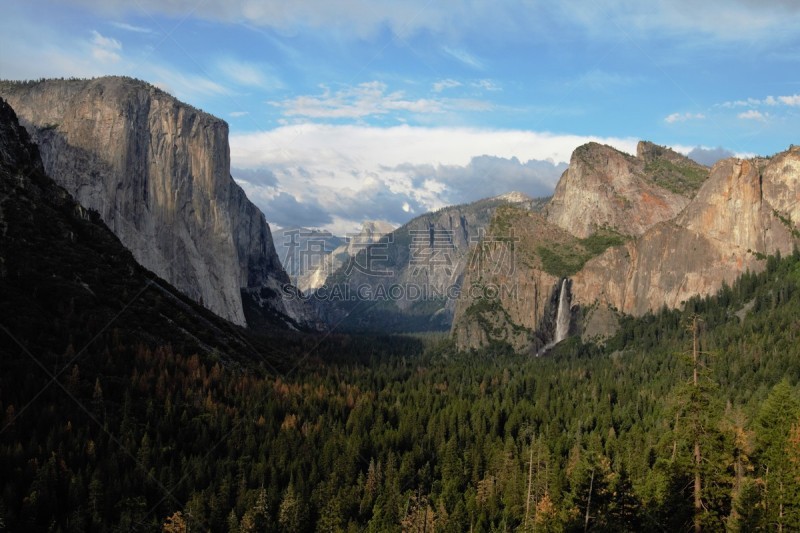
pixel 563 315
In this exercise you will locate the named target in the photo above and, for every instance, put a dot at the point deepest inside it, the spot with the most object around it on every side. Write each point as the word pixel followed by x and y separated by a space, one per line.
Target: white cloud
pixel 441 85
pixel 237 114
pixel 365 100
pixel 753 114
pixel 732 20
pixel 683 117
pixel 130 27
pixel 793 100
pixel 771 101
pixel 708 156
pixel 354 171
pixel 726 20
pixel 105 49
pixel 404 144
pixel 464 57
pixel 186 87
pixel 486 85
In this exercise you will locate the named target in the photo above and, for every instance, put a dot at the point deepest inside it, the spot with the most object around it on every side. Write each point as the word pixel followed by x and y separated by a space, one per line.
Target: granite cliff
pixel 158 173
pixel 606 188
pixel 747 209
pixel 423 262
pixel 639 233
pixel 67 281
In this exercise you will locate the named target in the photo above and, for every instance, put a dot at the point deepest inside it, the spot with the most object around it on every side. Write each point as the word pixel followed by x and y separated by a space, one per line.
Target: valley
pixel 619 356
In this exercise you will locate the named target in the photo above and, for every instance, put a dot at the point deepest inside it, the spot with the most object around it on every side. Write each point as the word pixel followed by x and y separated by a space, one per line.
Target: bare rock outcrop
pixel 713 228
pixel 158 172
pixel 606 188
pixel 744 211
pixel 507 294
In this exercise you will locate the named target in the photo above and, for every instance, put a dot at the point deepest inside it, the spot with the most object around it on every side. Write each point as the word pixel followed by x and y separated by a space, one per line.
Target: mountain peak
pixel 158 173
pixel 514 197
pixel 606 188
pixel 649 151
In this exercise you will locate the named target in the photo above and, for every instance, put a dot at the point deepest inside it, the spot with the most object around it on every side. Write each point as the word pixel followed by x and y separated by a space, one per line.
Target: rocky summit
pixel 634 234
pixel 606 188
pixel 743 212
pixel 158 173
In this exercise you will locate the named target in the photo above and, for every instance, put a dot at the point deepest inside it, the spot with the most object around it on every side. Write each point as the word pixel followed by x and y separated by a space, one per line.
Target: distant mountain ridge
pixel 158 172
pixel 371 232
pixel 423 261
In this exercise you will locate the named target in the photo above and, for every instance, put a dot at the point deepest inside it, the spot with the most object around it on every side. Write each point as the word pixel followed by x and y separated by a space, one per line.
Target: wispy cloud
pixel 105 49
pixel 370 99
pixel 744 20
pixel 187 87
pixel 464 57
pixel 131 27
pixel 237 114
pixel 486 85
pixel 441 85
pixel 771 101
pixel 683 117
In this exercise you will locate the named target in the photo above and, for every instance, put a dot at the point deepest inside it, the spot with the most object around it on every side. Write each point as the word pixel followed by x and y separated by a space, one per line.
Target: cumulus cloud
pixel 356 172
pixel 375 200
pixel 709 156
pixel 683 117
pixel 793 100
pixel 485 176
pixel 261 177
pixel 753 114
pixel 285 210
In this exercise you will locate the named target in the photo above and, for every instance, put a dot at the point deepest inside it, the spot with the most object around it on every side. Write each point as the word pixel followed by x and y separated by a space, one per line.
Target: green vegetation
pixel 565 259
pixel 388 434
pixel 684 179
pixel 786 221
pixel 125 407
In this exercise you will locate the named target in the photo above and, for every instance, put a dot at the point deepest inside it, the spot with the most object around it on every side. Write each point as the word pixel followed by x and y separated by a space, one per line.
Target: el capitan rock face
pixel 158 172
pixel 606 188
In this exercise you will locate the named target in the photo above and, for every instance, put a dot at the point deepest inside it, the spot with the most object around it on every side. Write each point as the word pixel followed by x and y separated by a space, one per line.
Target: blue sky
pixel 353 110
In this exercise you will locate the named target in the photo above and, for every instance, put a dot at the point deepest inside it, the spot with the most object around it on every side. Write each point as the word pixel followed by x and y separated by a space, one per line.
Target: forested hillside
pixel 394 433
